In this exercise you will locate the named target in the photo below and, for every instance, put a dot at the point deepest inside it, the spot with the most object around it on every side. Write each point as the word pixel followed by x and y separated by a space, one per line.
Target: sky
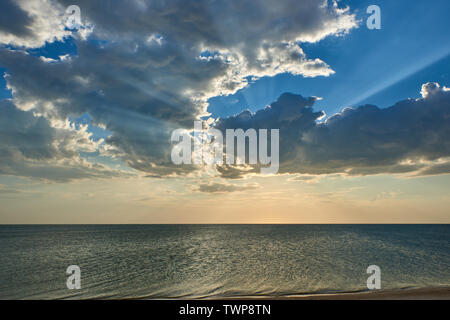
pixel 87 110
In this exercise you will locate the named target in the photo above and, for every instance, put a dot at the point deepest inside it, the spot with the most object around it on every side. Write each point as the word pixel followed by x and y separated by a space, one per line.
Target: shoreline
pixel 437 293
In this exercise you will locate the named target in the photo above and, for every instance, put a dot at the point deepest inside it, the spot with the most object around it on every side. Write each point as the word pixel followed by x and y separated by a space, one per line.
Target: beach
pixel 398 294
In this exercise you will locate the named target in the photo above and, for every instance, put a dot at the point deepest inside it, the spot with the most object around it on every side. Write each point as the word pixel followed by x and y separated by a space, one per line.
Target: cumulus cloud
pixel 31 147
pixel 150 66
pixel 409 137
pixel 156 64
pixel 31 24
pixel 13 20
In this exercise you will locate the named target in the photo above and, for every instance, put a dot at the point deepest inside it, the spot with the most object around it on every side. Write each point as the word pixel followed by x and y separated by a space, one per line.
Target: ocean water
pixel 208 261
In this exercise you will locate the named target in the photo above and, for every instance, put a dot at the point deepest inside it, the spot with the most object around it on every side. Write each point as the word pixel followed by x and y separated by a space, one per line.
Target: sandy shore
pixel 442 293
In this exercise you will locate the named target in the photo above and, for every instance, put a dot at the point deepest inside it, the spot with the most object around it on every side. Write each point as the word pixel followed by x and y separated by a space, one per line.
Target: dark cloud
pixel 149 67
pixel 219 23
pixel 139 115
pixel 23 133
pixel 31 24
pixel 435 169
pixel 403 138
pixel 224 187
pixel 14 20
pixel 304 178
pixel 235 171
pixel 31 147
pixel 158 62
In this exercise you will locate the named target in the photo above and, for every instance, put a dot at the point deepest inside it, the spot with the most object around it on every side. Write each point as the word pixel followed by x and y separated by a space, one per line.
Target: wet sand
pixel 442 293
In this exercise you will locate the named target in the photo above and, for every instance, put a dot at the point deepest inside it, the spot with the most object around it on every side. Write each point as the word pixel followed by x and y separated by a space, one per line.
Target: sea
pixel 218 261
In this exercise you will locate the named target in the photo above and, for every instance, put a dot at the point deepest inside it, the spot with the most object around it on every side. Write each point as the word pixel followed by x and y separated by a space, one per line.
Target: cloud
pixel 442 167
pixel 409 137
pixel 220 23
pixel 305 178
pixel 224 187
pixel 149 67
pixel 31 147
pixel 31 24
pixel 14 20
